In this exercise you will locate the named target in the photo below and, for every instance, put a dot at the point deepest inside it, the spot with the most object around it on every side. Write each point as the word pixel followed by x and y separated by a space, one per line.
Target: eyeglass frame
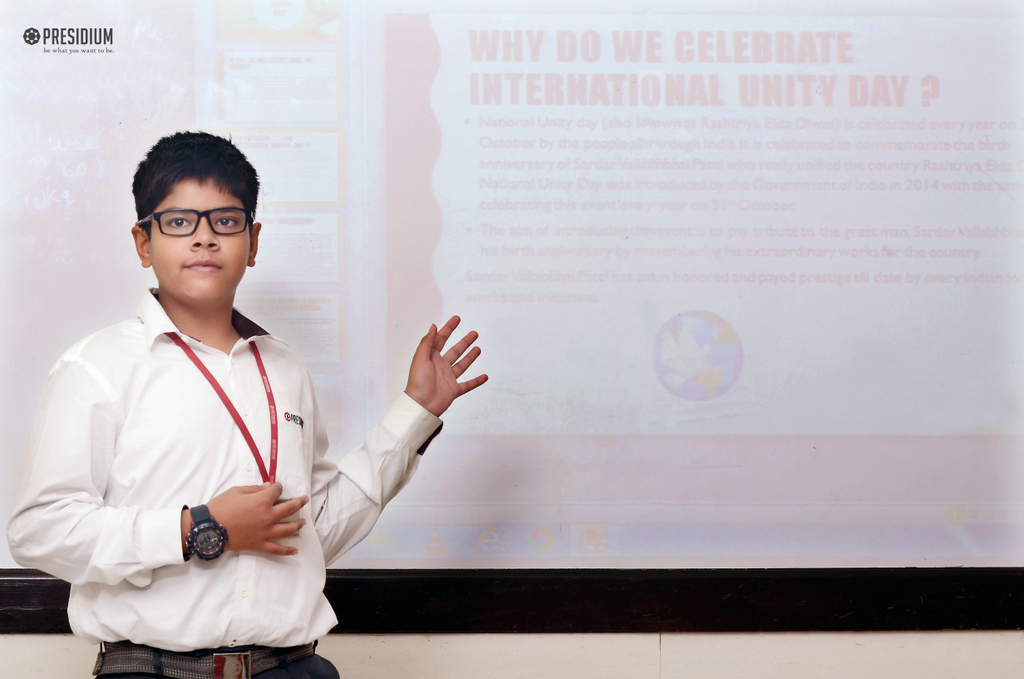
pixel 155 217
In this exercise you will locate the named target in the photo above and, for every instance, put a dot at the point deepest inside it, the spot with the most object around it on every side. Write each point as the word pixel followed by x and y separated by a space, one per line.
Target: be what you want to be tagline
pixel 701 52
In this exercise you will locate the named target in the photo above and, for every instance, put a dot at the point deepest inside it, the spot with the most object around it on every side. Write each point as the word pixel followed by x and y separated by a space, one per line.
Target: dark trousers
pixel 313 667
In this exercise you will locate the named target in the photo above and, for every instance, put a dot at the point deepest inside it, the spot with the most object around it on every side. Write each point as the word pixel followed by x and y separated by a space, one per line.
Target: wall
pixel 908 655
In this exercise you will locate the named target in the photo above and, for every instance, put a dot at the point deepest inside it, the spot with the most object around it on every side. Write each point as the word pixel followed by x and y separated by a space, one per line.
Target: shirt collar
pixel 156 322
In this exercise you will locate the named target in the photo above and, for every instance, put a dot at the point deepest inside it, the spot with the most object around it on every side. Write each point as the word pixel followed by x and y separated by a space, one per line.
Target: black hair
pixel 199 156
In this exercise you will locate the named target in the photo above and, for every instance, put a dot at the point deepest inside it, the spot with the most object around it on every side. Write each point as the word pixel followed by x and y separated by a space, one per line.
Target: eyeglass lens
pixel 184 222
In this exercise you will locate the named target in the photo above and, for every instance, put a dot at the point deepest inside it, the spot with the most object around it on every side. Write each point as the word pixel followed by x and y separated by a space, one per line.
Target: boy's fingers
pixel 286 508
pixel 280 550
pixel 470 385
pixel 273 490
pixel 457 350
pixel 444 333
pixel 426 344
pixel 463 365
pixel 284 530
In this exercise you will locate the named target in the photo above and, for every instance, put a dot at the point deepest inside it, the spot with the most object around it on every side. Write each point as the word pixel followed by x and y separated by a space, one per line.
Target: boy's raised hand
pixel 434 377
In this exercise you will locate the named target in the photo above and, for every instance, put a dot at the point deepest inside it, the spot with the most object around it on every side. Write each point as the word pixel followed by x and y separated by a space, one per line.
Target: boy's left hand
pixel 434 377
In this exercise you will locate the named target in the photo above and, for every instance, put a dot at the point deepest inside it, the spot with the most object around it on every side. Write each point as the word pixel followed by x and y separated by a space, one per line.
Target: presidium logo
pixel 72 40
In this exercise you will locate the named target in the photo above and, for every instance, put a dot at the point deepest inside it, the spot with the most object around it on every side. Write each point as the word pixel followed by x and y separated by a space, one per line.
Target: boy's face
pixel 204 269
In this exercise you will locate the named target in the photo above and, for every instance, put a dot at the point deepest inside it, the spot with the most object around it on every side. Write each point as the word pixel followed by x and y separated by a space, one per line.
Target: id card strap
pixel 273 410
pixel 269 478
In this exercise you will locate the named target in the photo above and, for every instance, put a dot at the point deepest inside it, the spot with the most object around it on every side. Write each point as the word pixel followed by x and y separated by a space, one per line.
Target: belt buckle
pixel 232 665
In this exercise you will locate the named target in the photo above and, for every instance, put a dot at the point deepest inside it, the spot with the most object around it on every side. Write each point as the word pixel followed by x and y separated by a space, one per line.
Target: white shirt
pixel 129 431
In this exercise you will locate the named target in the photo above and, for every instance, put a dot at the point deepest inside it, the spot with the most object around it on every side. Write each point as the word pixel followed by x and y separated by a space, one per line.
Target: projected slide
pixel 735 263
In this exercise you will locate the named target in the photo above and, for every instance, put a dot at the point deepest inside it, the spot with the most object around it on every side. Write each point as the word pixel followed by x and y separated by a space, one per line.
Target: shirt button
pixel 248 466
pixel 244 593
pixel 245 412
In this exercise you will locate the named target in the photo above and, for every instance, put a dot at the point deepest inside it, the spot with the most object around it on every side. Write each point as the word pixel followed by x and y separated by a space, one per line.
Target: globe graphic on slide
pixel 698 355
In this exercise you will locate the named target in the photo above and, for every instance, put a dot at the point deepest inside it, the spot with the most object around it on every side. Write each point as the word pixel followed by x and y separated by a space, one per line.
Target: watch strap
pixel 200 514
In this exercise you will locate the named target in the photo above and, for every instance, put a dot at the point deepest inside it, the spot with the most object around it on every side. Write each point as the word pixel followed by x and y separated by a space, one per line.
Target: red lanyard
pixel 268 478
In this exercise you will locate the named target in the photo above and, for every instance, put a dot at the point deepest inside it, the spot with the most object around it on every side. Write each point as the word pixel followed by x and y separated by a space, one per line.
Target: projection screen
pixel 748 279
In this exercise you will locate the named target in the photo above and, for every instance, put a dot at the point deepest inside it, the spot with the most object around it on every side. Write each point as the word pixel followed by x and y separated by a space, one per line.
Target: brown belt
pixel 123 657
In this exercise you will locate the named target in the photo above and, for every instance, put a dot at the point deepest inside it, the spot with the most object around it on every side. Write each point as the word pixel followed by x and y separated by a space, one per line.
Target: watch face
pixel 208 540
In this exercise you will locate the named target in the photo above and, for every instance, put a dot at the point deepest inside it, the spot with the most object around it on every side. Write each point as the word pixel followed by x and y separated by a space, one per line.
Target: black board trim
pixel 621 601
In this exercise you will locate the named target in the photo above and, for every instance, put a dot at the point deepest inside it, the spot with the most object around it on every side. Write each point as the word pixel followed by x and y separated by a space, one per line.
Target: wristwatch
pixel 207 537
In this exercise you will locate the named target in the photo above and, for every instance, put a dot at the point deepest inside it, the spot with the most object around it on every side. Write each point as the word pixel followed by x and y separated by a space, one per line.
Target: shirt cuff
pixel 160 537
pixel 410 422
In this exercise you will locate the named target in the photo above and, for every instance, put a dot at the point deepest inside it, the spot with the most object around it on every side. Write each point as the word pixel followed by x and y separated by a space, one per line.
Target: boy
pixel 176 475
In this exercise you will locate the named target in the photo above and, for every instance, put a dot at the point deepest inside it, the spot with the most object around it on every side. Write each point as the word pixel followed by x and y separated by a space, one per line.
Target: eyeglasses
pixel 223 220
